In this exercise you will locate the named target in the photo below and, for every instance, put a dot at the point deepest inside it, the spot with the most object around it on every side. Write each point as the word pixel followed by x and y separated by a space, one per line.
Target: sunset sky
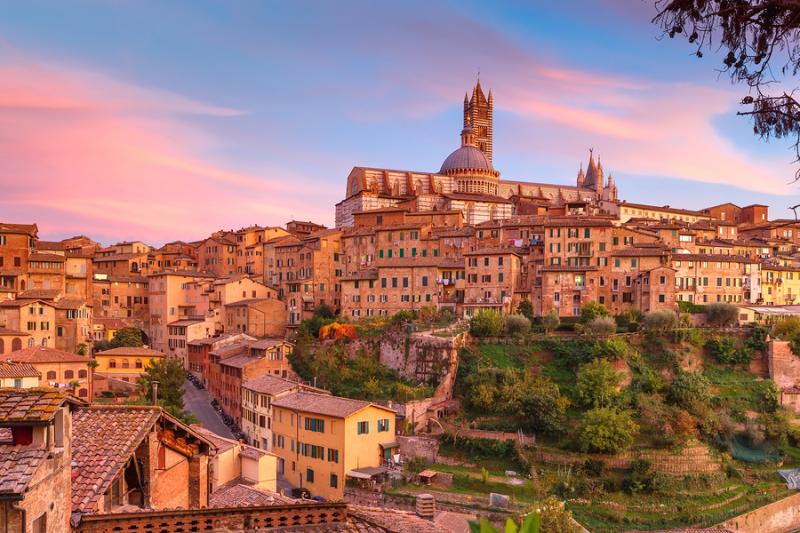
pixel 169 120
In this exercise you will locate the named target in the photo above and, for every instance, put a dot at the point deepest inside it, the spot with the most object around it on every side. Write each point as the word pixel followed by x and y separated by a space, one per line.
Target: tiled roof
pixel 249 301
pixel 391 520
pixel 236 493
pixel 220 443
pixel 186 322
pixel 104 437
pixel 43 256
pixel 50 245
pixel 239 361
pixel 44 354
pixel 25 229
pixel 321 404
pixel 132 351
pixel 17 467
pixel 269 384
pixel 721 258
pixel 40 294
pixel 665 208
pixel 230 350
pixel 19 302
pixel 71 303
pixel 10 369
pixel 370 273
pixel 496 250
pixel 32 406
pixel 267 343
pixel 112 323
pixel 640 252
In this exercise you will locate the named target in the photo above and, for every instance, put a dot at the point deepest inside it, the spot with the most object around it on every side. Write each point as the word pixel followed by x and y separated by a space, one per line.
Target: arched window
pixel 31 342
pixel 69 374
pixel 138 363
pixel 44 342
pixel 83 393
pixel 126 363
pixel 82 374
pixel 112 363
pixel 16 344
pixel 51 375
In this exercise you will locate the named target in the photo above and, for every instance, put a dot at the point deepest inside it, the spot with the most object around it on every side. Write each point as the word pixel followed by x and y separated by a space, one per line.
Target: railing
pixel 252 518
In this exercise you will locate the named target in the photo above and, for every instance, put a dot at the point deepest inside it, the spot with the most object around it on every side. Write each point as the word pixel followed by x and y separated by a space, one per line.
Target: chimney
pixel 154 391
pixel 426 506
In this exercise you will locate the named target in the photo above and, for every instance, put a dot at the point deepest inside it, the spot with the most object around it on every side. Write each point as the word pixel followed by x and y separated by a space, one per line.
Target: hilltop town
pixel 444 353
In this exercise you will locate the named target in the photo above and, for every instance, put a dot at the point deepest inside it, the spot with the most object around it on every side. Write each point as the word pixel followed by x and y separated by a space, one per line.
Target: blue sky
pixel 166 120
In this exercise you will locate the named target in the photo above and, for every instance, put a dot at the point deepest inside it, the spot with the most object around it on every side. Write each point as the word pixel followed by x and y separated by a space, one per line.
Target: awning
pixel 389 445
pixel 367 472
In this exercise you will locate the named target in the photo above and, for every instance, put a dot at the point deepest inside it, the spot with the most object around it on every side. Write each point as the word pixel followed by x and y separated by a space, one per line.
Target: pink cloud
pixel 86 153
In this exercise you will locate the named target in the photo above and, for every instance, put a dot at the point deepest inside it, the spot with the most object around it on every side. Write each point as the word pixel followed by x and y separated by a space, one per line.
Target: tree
pixel 82 349
pixel 597 384
pixel 787 328
pixel 690 391
pixel 591 311
pixel 517 324
pixel 538 401
pixel 606 430
pixel 525 308
pixel 660 322
pixel 759 41
pixel 601 326
pixel 129 336
pixel 530 524
pixel 550 321
pixel 721 315
pixel 486 323
pixel 170 376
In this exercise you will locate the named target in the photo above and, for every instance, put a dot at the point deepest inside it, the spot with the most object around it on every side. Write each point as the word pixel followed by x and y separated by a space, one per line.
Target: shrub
pixel 721 315
pixel 725 351
pixel 606 430
pixel 757 338
pixel 660 321
pixel 690 307
pixel 601 326
pixel 640 477
pixel 550 321
pixel 486 323
pixel 594 467
pixel 525 308
pixel 593 310
pixel 615 348
pixel 597 384
pixel 401 317
pixel 787 328
pixel 690 391
pixel 629 319
pixel 517 324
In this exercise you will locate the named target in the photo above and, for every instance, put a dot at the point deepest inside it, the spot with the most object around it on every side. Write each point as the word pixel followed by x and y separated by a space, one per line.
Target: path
pixel 198 403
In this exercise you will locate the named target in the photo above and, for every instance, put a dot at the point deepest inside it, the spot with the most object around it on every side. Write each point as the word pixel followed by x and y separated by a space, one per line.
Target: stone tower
pixel 478 114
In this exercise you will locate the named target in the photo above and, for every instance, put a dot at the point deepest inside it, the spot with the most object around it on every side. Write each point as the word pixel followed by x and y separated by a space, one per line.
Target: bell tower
pixel 478 114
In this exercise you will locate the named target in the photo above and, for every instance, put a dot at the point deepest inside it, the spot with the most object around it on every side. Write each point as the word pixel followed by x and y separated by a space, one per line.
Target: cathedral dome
pixel 466 157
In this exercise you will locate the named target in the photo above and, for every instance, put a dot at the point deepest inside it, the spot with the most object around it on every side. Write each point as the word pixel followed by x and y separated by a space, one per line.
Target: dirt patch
pixel 691 359
pixel 759 365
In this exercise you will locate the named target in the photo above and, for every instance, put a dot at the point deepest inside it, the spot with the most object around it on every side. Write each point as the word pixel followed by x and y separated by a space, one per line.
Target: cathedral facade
pixel 468 182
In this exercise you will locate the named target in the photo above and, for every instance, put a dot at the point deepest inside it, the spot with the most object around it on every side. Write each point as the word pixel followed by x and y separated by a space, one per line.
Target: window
pixel 333 455
pixel 112 363
pixel 383 425
pixel 334 481
pixel 69 374
pixel 309 475
pixel 40 524
pixel 138 363
pixel 51 375
pixel 315 424
pixel 363 428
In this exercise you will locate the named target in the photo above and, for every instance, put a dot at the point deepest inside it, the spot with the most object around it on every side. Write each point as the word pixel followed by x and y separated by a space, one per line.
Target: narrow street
pixel 198 403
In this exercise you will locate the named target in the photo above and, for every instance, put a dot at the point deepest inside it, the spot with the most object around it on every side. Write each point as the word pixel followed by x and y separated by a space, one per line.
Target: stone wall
pixel 782 516
pixel 425 447
pixel 784 366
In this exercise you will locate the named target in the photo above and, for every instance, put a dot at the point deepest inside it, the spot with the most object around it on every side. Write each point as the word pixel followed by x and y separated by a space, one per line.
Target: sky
pixel 158 121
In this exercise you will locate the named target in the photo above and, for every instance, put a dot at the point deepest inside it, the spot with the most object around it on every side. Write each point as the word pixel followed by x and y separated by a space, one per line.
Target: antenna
pixel 794 209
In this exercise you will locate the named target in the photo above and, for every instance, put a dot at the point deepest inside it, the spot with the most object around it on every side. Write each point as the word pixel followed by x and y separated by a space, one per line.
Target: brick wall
pixel 784 366
pixel 782 516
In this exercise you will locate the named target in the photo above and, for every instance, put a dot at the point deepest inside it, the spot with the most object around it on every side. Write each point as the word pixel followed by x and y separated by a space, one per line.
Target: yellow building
pixel 126 363
pixel 18 375
pixel 780 285
pixel 320 440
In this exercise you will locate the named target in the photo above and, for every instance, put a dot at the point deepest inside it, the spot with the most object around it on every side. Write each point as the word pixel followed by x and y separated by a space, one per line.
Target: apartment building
pixel 126 363
pixel 16 245
pixel 493 277
pixel 175 295
pixel 320 440
pixel 260 317
pixel 58 369
pixel 36 317
pixel 706 278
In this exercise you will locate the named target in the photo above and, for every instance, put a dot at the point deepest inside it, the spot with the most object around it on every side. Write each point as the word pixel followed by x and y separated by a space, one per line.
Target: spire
pixel 491 97
pixel 467 137
pixel 581 176
pixel 591 179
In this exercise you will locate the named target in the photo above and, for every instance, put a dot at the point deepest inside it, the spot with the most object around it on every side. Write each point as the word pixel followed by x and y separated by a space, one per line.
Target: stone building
pixel 59 369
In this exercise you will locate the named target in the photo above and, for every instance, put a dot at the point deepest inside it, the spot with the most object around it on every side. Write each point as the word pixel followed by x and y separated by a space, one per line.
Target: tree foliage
pixel 551 321
pixel 525 308
pixel 758 42
pixel 591 311
pixel 517 325
pixel 169 373
pixel 602 326
pixel 597 384
pixel 721 314
pixel 486 323
pixel 690 391
pixel 660 322
pixel 606 430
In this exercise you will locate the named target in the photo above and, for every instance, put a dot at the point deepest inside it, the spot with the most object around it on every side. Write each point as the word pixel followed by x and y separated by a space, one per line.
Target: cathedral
pixel 468 182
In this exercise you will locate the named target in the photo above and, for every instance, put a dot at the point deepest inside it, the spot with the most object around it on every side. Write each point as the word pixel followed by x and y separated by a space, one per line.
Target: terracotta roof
pixel 71 303
pixel 390 520
pixel 112 323
pixel 30 406
pixel 269 384
pixel 12 332
pixel 567 268
pixel 17 467
pixel 239 361
pixel 640 252
pixel 496 250
pixel 237 493
pixel 45 354
pixel 20 302
pixel 664 208
pixel 230 350
pixel 722 258
pixel 42 256
pixel 322 404
pixel 25 229
pixel 50 245
pixel 267 343
pixel 220 443
pixel 185 273
pixel 186 322
pixel 249 301
pixel 132 352
pixel 104 437
pixel 40 294
pixel 371 273
pixel 10 369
